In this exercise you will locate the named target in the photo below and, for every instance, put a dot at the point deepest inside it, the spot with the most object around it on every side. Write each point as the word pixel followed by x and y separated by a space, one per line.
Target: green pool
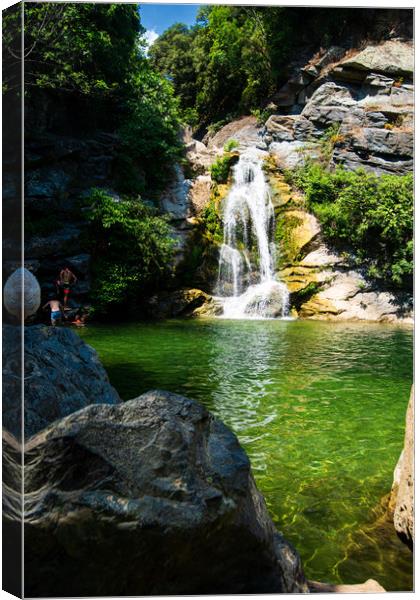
pixel 320 409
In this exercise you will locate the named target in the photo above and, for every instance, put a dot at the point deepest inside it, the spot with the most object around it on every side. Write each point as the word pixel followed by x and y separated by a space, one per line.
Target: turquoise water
pixel 319 408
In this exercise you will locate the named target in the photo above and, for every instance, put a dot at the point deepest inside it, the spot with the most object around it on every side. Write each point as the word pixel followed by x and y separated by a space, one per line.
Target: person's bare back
pixel 56 310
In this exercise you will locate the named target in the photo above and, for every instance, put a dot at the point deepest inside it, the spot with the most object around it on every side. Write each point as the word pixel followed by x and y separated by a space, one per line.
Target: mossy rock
pixel 295 231
pixel 318 308
pixel 219 192
pixel 299 278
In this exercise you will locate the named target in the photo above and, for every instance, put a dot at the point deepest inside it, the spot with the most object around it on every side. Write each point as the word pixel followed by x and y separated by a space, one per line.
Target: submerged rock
pixel 62 375
pixel 151 496
pixel 401 503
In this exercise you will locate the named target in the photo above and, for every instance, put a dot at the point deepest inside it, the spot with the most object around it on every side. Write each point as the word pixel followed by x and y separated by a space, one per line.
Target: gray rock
pixel 244 130
pixel 382 141
pixel 280 128
pixel 293 154
pixel 62 375
pixel 80 262
pixel 153 496
pixel 47 182
pixel 353 160
pixel 330 94
pixel 175 200
pixel 392 57
pixel 333 54
pixel 61 242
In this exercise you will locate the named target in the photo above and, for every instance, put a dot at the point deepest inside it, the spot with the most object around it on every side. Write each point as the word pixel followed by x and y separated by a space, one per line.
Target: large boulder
pixel 245 131
pixel 62 374
pixel 391 57
pixel 151 496
pixel 349 296
pixel 401 502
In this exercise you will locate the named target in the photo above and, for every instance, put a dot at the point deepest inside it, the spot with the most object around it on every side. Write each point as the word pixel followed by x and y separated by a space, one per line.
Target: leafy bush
pixel 371 214
pixel 212 222
pixel 230 145
pixel 220 169
pixel 132 251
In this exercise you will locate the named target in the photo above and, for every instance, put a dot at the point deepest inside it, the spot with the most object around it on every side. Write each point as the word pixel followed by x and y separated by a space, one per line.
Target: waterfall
pixel 247 285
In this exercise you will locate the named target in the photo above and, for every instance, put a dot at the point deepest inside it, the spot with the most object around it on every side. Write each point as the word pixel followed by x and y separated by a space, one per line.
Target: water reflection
pixel 319 408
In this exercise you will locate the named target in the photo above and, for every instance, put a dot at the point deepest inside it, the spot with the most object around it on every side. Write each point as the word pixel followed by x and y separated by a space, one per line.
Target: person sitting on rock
pixel 56 309
pixel 66 280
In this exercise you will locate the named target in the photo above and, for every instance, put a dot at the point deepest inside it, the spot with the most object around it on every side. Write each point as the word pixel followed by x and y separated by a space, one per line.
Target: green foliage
pixel 220 169
pixel 132 251
pixel 284 238
pixel 329 140
pixel 230 145
pixel 172 55
pixel 212 223
pixel 262 114
pixel 150 131
pixel 371 214
pixel 235 57
pixel 89 59
pixel 86 48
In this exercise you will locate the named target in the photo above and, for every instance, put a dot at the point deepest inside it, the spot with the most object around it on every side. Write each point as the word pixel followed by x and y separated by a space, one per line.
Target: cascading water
pixel 246 284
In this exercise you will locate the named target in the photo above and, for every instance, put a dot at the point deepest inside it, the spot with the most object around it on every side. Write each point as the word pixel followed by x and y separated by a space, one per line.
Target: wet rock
pixel 165 504
pixel 185 303
pixel 401 504
pixel 62 375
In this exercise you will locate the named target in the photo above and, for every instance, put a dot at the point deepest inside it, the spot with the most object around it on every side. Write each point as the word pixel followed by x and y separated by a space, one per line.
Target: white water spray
pixel 246 282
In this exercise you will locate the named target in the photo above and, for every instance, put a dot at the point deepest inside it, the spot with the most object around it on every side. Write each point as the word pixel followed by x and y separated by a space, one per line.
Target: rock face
pixel 62 375
pixel 183 303
pixel 152 496
pixel 244 131
pixel 401 503
pixel 368 94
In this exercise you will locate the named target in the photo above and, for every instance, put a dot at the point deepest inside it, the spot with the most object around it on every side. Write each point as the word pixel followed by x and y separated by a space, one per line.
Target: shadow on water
pixel 319 408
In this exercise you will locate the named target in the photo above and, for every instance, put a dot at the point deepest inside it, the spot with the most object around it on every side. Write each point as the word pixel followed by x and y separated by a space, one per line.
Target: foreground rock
pixel 401 504
pixel 152 496
pixel 62 375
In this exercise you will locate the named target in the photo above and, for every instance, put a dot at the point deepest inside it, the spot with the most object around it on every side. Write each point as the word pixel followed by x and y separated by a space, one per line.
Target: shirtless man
pixel 56 310
pixel 65 281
